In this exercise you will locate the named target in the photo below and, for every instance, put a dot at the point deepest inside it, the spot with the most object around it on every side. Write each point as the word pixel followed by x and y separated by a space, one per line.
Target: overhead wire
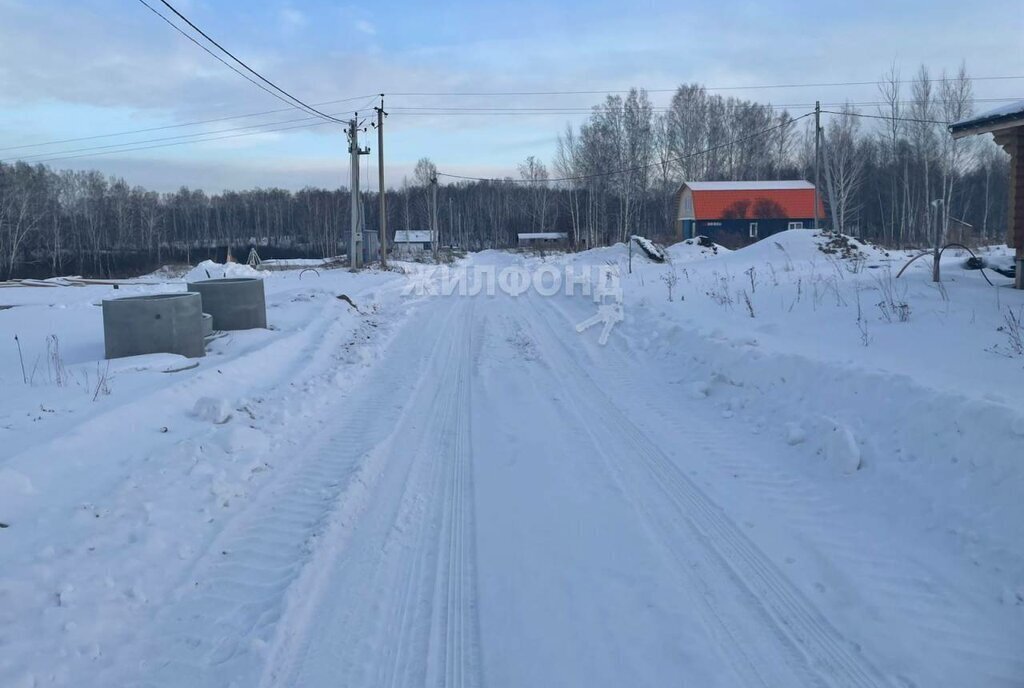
pixel 319 123
pixel 215 55
pixel 887 117
pixel 201 137
pixel 537 108
pixel 198 137
pixel 181 125
pixel 416 110
pixel 299 103
pixel 706 88
pixel 30 158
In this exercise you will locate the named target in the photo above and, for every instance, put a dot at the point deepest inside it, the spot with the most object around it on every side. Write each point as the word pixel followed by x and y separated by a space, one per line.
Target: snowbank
pixel 209 269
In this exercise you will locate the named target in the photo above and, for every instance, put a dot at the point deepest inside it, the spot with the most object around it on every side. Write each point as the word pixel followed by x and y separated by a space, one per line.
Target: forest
pixel 890 173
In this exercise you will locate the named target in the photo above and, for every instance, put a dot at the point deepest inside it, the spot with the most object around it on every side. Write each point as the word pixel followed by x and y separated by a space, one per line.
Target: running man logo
pixel 608 297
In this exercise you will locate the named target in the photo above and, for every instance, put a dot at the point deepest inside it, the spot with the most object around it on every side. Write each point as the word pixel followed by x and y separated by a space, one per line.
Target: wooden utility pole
pixel 380 185
pixel 355 244
pixel 435 233
pixel 817 163
pixel 937 243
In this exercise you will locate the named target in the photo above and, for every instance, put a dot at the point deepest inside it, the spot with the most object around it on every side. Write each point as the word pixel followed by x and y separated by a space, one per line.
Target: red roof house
pixel 737 213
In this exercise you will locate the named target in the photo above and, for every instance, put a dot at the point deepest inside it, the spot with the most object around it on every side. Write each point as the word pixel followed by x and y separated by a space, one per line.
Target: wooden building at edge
pixel 1006 124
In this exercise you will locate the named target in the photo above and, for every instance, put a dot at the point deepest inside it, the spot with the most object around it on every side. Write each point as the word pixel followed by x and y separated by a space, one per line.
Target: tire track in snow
pixel 453 659
pixel 814 650
pixel 881 575
pixel 217 628
pixel 395 605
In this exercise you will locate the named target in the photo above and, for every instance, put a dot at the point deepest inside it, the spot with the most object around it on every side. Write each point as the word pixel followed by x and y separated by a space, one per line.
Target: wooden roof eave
pixel 989 127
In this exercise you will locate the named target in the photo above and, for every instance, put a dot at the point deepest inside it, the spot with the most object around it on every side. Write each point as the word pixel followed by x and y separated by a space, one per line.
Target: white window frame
pixel 753 230
pixel 796 225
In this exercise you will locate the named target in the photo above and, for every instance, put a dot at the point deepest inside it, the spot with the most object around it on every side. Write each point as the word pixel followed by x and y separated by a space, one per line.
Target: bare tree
pixel 534 171
pixel 567 165
pixel 955 98
pixel 844 167
pixel 891 113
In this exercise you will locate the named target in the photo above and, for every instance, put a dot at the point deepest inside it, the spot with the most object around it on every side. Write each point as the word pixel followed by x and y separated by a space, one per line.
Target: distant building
pixel 543 239
pixel 734 214
pixel 410 242
pixel 1006 124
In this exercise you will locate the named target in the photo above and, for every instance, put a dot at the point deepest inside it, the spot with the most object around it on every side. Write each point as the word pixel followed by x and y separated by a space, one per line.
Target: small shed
pixel 734 214
pixel 543 239
pixel 411 242
pixel 1006 124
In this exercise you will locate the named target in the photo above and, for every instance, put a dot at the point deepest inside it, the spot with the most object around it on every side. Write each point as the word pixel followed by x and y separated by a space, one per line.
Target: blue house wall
pixel 736 233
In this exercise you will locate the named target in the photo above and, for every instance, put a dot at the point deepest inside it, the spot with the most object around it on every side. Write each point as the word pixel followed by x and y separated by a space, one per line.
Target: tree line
pixel 890 173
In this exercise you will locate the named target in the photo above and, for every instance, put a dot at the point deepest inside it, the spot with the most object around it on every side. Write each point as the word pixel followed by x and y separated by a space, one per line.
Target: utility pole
pixel 434 229
pixel 380 185
pixel 817 163
pixel 355 244
pixel 937 243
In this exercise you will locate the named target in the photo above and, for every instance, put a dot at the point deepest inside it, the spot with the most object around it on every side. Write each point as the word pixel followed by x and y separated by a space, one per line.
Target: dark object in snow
pixel 190 366
pixel 4 525
pixel 346 299
pixel 21 358
pixel 703 242
pixel 974 263
pixel 841 245
pixel 305 270
pixel 652 250
pixel 1010 272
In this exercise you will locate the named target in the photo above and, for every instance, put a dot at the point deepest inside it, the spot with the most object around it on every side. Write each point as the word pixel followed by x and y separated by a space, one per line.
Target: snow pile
pixel 803 245
pixel 212 410
pixel 694 249
pixel 210 269
pixel 840 447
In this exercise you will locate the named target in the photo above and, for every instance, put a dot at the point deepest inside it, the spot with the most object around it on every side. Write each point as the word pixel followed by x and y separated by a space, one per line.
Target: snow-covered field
pixel 769 479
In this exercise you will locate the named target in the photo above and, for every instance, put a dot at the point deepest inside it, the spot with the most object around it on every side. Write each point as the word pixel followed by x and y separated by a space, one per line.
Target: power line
pixel 200 137
pixel 406 110
pixel 672 90
pixel 29 158
pixel 180 126
pixel 898 119
pixel 215 56
pixel 180 143
pixel 531 108
pixel 569 110
pixel 637 167
pixel 249 69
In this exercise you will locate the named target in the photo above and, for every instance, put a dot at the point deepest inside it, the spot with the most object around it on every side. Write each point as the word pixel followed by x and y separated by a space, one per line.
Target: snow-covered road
pixel 502 501
pixel 511 524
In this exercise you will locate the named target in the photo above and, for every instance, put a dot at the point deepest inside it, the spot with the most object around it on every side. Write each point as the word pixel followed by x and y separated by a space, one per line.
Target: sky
pixel 71 69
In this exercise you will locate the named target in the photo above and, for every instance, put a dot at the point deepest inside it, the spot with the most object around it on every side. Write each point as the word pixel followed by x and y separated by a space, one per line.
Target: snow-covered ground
pixel 769 479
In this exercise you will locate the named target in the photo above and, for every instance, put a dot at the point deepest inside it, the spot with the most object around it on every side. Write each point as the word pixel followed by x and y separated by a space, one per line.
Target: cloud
pixel 126 69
